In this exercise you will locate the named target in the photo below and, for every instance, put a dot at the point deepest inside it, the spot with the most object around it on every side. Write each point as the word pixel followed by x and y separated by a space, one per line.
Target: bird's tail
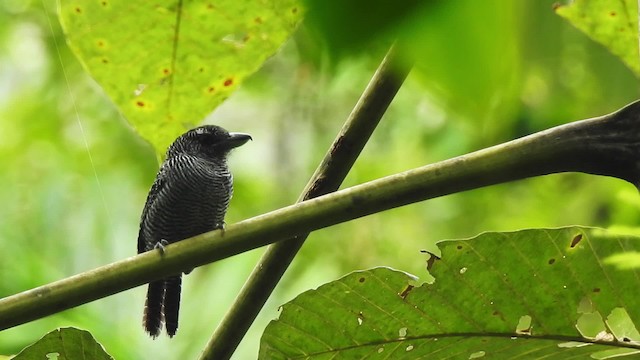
pixel 152 319
pixel 173 286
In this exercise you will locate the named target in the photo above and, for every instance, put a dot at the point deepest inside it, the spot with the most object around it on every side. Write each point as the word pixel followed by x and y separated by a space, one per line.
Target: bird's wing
pixel 157 186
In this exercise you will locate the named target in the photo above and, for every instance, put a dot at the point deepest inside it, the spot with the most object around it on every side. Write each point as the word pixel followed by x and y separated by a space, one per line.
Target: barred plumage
pixel 190 196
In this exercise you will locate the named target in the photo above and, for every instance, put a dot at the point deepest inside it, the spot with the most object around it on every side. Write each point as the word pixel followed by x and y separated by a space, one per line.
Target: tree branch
pixel 608 145
pixel 327 178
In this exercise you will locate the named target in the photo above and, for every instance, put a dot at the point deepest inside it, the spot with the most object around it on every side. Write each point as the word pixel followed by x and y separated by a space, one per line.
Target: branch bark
pixel 327 178
pixel 608 145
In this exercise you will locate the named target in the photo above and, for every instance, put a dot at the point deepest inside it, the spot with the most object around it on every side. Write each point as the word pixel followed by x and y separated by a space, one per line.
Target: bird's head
pixel 208 141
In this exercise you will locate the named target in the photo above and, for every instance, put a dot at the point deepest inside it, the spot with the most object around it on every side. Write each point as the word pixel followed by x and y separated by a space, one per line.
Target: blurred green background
pixel 74 176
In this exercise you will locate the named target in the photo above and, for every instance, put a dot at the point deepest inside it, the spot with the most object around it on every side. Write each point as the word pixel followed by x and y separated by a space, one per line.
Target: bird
pixel 190 196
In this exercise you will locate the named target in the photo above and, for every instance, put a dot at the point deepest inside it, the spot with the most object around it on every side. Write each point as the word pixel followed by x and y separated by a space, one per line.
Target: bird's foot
pixel 160 245
pixel 220 226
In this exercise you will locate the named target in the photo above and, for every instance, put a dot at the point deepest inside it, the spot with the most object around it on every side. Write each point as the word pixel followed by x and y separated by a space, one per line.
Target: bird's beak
pixel 237 139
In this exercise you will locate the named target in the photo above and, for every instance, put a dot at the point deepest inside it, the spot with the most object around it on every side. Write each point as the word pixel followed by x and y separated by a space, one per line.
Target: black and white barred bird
pixel 189 197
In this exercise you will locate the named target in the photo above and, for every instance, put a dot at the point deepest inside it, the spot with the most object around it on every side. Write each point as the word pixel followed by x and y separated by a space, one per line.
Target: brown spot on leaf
pixel 576 240
pixel 361 279
pixel 596 290
pixel 406 291
pixel 140 103
pixel 201 69
pixel 459 247
pixel 228 82
pixel 613 13
pixel 294 10
pixel 105 61
pixel 166 71
pixel 551 261
pixel 78 10
pixel 211 89
pixel 100 43
pixel 555 6
pixel 258 20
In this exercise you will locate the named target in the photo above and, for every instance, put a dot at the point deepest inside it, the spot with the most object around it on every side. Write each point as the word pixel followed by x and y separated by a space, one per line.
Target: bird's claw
pixel 160 245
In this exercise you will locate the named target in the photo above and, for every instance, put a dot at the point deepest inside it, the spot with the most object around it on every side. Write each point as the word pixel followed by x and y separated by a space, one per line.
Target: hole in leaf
pixel 406 291
pixel 576 240
pixel 432 259
pixel 524 325
pixel 590 325
pixel 622 327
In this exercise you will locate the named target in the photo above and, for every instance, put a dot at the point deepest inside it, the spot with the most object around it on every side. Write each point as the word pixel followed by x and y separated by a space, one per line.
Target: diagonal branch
pixel 327 178
pixel 608 145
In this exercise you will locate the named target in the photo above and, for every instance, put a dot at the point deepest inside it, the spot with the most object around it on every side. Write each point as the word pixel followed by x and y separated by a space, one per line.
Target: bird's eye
pixel 208 139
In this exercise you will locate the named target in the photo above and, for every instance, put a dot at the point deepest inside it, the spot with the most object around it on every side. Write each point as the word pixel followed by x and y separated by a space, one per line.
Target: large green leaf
pixel 167 64
pixel 533 293
pixel 613 23
pixel 65 344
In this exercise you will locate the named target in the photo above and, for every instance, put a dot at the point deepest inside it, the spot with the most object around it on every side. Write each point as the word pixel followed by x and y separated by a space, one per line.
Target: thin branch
pixel 327 178
pixel 608 145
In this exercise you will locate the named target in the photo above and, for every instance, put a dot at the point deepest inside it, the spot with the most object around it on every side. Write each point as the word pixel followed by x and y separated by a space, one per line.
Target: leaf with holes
pixel 613 24
pixel 167 64
pixel 542 293
pixel 65 343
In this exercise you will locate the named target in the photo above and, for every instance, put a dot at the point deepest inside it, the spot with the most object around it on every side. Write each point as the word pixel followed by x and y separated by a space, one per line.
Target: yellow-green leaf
pixel 167 64
pixel 613 23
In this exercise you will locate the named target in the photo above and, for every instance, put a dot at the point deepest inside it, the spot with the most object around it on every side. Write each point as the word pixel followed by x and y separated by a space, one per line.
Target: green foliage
pixel 65 344
pixel 167 65
pixel 614 24
pixel 351 26
pixel 75 176
pixel 541 292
